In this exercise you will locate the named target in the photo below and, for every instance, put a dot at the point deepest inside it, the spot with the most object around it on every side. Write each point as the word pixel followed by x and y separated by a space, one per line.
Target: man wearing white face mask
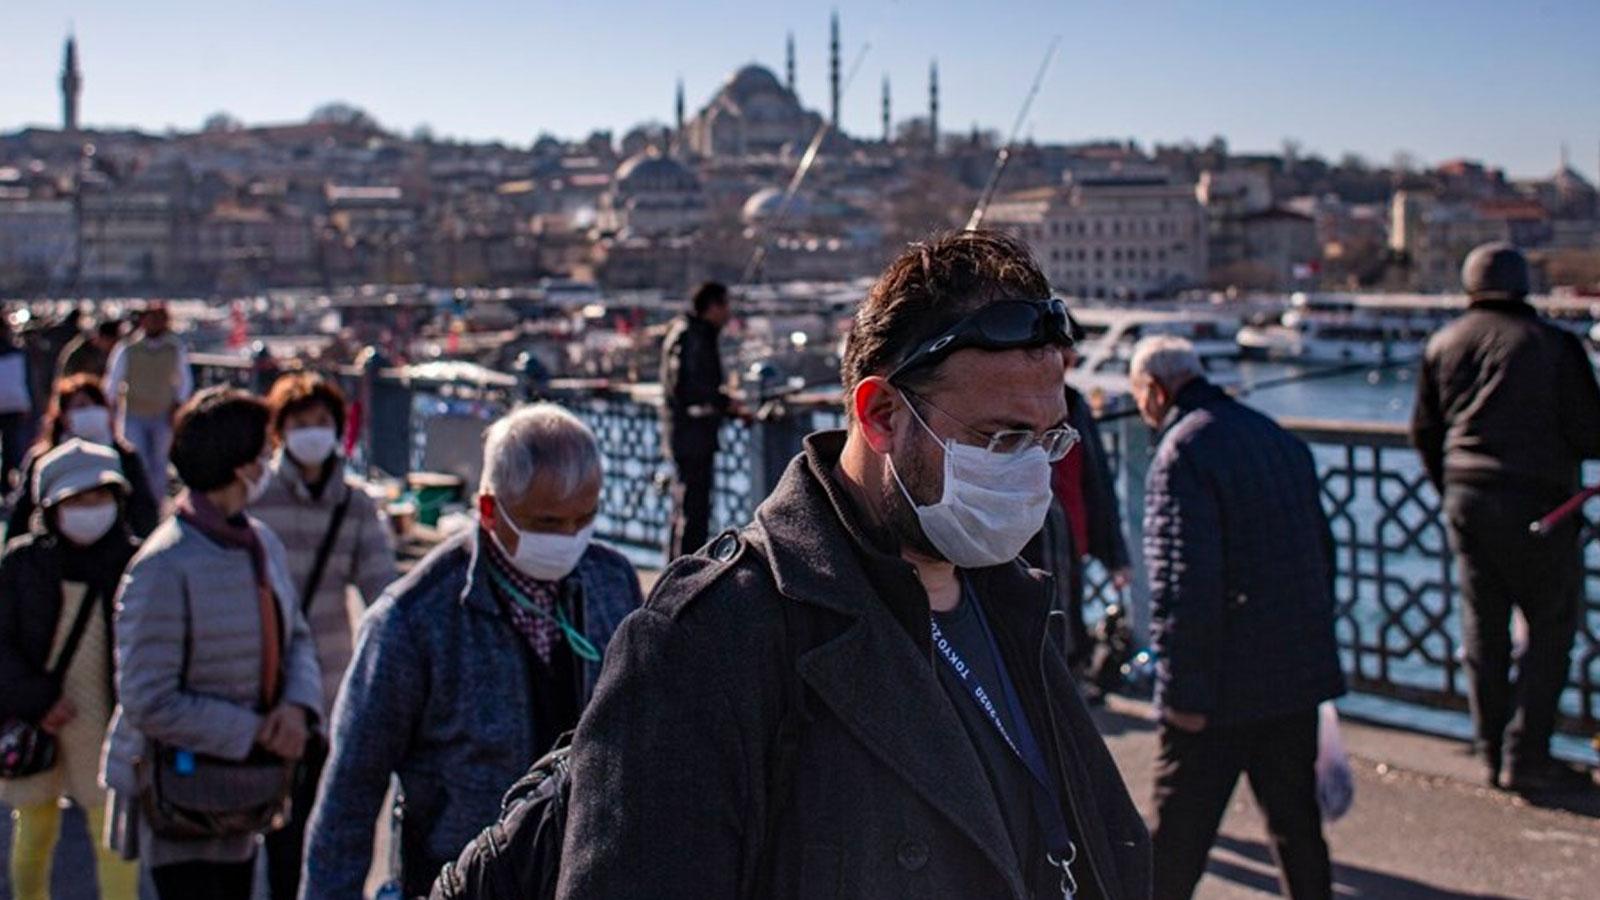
pixel 470 667
pixel 336 538
pixel 861 688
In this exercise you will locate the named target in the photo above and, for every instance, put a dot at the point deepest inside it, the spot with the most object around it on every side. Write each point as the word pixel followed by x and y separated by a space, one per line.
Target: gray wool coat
pixel 181 576
pixel 676 791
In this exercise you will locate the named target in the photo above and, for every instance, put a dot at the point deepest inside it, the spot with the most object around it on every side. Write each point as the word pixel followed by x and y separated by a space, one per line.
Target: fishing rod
pixel 752 269
pixel 1565 511
pixel 1318 374
pixel 1004 156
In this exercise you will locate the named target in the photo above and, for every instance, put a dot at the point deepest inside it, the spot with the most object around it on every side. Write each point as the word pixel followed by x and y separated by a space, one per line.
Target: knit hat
pixel 75 466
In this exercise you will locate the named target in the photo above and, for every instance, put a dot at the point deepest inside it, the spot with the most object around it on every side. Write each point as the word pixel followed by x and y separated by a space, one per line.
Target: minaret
pixel 833 68
pixel 887 136
pixel 71 85
pixel 677 134
pixel 933 105
pixel 788 64
pixel 1564 161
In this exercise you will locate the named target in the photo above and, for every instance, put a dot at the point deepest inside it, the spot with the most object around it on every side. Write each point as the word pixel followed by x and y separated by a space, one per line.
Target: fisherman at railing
pixel 1507 410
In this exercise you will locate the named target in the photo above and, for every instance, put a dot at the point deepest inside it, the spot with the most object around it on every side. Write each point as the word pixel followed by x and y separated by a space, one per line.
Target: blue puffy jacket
pixel 1240 558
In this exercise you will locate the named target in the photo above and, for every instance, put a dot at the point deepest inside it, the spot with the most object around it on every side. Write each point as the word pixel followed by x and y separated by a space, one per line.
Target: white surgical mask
pixel 546 556
pixel 84 525
pixel 254 489
pixel 993 503
pixel 92 423
pixel 310 446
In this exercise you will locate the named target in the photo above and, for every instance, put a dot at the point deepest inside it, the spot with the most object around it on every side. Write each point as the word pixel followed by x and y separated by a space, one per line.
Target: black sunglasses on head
pixel 1005 325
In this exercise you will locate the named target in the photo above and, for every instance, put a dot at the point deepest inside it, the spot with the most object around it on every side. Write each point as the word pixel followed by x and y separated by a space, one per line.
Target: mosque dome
pixel 650 171
pixel 763 206
pixel 752 81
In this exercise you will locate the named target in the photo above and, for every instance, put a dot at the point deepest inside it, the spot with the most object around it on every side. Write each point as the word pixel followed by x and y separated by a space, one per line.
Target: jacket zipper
pixel 1055 740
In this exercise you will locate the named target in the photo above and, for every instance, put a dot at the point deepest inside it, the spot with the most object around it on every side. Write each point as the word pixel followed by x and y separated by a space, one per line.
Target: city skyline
pixel 1362 79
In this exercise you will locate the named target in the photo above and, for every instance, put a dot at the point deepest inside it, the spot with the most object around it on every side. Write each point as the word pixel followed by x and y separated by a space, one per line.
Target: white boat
pixel 1112 334
pixel 1373 329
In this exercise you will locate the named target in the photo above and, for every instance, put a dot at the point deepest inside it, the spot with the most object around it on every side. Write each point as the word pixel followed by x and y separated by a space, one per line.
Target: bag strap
pixel 329 537
pixel 80 623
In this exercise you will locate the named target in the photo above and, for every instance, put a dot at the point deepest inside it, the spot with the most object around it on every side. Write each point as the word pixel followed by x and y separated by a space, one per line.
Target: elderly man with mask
pixel 855 695
pixel 1240 559
pixel 470 667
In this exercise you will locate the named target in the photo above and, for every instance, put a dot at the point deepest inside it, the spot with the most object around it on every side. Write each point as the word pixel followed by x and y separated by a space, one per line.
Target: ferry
pixel 1369 329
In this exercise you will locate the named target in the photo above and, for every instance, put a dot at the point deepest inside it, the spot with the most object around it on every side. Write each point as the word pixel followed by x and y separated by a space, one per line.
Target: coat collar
pixel 878 675
pixel 1197 393
pixel 288 472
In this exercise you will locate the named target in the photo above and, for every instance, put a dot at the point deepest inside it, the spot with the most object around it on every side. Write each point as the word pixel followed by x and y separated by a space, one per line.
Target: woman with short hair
pixel 217 668
pixel 56 585
pixel 78 409
pixel 336 538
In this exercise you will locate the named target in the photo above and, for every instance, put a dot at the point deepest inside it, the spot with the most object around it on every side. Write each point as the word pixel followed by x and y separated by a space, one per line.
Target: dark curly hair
pixel 930 287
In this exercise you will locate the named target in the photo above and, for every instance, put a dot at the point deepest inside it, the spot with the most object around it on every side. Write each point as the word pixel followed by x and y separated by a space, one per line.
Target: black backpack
pixel 519 856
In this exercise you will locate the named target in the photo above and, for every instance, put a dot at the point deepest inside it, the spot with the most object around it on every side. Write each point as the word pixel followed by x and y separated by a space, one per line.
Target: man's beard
pixel 916 471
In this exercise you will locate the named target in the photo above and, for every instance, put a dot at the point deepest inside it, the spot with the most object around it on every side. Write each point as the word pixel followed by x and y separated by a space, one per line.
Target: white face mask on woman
pixel 92 423
pixel 993 503
pixel 83 525
pixel 311 446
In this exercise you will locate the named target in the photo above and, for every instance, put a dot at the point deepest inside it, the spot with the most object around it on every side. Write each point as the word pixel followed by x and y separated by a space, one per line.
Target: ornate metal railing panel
pixel 1397 620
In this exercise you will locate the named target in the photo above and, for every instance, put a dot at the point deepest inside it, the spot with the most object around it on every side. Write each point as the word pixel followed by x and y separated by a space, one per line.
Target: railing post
pixel 1134 436
pixel 389 419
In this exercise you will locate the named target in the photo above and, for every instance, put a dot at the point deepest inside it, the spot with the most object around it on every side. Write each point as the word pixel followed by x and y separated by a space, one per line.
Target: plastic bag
pixel 1336 783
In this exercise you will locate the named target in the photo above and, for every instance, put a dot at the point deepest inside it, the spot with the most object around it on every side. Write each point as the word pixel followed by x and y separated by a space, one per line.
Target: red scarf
pixel 203 515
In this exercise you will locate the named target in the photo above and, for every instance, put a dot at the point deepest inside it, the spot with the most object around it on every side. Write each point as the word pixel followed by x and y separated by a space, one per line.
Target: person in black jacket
pixel 1240 558
pixel 1507 409
pixel 62 571
pixel 793 712
pixel 693 406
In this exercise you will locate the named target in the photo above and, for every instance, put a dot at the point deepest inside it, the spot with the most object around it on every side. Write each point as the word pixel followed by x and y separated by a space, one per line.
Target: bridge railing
pixel 1398 624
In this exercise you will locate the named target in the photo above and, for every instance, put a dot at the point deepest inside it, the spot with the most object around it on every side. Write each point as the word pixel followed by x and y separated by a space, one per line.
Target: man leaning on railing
pixel 1507 409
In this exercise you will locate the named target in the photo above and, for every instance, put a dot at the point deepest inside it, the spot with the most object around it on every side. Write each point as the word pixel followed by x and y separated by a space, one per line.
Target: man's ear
pixel 874 402
pixel 486 510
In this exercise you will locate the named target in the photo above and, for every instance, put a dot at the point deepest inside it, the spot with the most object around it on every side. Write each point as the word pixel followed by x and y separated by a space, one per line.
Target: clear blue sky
pixel 1503 82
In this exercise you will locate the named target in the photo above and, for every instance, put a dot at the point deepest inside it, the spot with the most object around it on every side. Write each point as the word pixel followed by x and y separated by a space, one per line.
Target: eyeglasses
pixel 1005 325
pixel 1056 442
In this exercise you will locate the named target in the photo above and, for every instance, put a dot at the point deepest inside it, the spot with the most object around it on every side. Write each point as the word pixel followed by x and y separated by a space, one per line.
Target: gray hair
pixel 1168 359
pixel 541 439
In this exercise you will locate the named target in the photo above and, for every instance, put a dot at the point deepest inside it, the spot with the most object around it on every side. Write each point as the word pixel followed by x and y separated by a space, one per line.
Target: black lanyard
pixel 1060 851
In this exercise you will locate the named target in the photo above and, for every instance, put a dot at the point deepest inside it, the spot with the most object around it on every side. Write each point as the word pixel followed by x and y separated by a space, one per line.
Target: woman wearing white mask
pixel 217 685
pixel 337 539
pixel 78 410
pixel 56 587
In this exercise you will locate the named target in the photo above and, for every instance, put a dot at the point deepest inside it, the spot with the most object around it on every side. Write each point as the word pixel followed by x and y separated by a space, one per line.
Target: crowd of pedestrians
pixel 863 691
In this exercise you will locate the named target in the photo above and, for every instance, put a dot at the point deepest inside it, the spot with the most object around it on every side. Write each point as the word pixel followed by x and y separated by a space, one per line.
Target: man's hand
pixel 1121 578
pixel 58 716
pixel 284 732
pixel 1185 721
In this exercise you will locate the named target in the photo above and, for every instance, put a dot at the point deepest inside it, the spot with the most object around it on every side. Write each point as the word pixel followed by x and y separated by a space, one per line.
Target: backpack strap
pixel 320 562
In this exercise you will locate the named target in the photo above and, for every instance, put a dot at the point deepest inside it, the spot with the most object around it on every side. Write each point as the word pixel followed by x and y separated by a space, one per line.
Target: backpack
pixel 519 856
